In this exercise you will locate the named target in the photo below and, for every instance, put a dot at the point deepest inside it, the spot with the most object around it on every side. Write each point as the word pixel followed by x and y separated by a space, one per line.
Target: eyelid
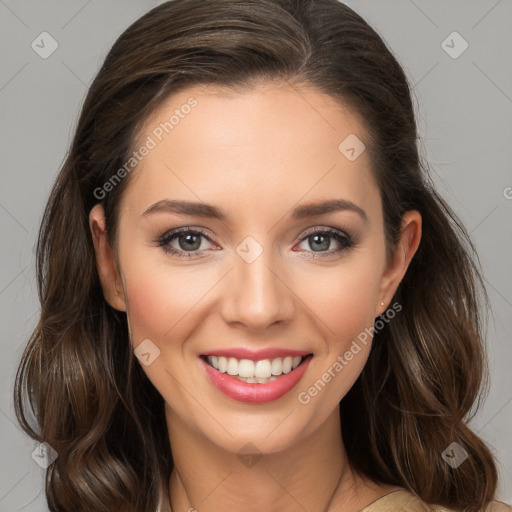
pixel 187 229
pixel 349 235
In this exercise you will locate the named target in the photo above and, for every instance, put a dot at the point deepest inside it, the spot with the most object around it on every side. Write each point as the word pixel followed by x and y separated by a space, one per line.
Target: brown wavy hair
pixel 78 386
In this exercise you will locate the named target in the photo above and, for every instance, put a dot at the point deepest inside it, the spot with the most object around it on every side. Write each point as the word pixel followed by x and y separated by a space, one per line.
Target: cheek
pixel 346 317
pixel 344 303
pixel 345 298
pixel 160 298
pixel 164 306
pixel 163 300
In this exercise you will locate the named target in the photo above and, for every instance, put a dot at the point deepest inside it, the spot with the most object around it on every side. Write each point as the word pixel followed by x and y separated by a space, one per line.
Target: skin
pixel 257 154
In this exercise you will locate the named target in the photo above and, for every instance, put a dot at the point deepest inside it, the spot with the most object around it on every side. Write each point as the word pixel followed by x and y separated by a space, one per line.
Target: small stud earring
pixel 382 303
pixel 115 289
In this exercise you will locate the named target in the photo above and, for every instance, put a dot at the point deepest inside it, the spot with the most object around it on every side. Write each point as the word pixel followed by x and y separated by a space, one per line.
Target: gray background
pixel 464 108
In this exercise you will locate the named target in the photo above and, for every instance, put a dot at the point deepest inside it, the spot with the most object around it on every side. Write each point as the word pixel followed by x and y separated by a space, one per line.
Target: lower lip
pixel 255 393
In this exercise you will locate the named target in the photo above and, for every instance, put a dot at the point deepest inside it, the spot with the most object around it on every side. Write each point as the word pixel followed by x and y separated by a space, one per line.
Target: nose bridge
pixel 256 295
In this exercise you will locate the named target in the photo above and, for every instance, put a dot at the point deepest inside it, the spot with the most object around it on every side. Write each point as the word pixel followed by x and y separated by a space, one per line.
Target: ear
pixel 105 260
pixel 410 236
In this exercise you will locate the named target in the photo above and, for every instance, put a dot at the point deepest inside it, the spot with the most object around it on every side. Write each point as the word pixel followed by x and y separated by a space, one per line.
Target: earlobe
pixel 105 260
pixel 410 237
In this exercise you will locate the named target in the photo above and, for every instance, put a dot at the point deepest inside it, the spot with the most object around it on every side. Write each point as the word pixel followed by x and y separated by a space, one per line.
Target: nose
pixel 257 295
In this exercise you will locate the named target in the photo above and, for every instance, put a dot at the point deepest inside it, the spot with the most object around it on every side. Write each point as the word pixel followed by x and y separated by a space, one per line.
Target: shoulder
pixel 404 500
pixel 498 506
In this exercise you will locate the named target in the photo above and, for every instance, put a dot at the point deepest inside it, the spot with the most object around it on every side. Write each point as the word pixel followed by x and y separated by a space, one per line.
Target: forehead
pixel 256 114
pixel 264 142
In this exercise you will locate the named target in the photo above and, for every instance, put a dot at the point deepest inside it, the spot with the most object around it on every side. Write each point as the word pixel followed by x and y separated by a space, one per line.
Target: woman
pixel 243 209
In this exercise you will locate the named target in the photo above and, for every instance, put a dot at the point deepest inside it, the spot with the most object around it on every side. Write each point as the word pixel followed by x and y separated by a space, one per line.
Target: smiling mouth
pixel 255 372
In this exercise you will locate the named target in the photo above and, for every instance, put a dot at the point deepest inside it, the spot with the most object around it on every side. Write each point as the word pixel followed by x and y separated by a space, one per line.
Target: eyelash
pixel 345 240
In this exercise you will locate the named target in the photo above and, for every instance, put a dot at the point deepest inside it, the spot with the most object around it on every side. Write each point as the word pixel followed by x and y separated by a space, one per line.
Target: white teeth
pixel 261 371
pixel 232 366
pixel 277 366
pixel 223 364
pixel 287 364
pixel 246 368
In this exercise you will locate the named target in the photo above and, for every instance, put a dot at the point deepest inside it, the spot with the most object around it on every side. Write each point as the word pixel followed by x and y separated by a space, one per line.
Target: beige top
pixel 402 500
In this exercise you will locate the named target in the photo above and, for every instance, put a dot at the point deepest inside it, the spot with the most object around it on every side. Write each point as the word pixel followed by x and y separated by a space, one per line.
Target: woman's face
pixel 248 178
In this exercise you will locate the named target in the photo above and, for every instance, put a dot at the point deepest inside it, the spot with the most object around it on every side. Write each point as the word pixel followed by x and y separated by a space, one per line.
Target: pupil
pixel 318 239
pixel 189 239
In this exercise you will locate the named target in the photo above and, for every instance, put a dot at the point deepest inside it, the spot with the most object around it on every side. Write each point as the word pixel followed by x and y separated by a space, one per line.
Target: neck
pixel 313 474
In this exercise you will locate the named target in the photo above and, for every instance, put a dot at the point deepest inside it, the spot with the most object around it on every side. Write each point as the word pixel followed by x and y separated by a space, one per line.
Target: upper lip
pixel 255 355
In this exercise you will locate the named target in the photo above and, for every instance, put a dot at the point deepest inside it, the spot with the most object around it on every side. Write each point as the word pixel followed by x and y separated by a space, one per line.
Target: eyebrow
pixel 300 212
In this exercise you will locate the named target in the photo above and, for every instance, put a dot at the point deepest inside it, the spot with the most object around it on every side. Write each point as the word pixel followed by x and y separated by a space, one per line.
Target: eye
pixel 321 240
pixel 184 242
pixel 191 243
